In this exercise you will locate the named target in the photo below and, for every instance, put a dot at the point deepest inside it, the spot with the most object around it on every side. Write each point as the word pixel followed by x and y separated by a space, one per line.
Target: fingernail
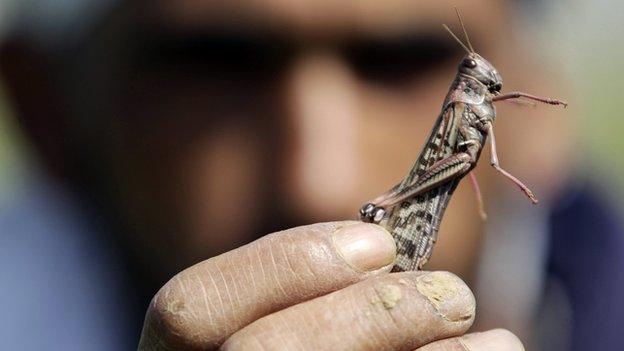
pixel 448 294
pixel 497 339
pixel 364 246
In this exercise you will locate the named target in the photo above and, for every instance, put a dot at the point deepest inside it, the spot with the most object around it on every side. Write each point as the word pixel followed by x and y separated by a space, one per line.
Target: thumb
pixel 206 303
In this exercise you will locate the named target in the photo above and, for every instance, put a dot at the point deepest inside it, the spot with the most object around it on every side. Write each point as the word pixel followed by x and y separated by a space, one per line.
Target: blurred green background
pixel 14 154
pixel 585 38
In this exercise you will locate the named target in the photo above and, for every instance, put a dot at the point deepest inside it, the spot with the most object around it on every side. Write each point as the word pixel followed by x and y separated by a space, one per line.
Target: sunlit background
pixel 153 141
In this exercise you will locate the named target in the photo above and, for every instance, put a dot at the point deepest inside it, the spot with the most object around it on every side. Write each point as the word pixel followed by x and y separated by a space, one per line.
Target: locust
pixel 412 210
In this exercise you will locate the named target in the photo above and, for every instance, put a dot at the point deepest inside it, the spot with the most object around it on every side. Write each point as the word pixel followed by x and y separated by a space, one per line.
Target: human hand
pixel 318 287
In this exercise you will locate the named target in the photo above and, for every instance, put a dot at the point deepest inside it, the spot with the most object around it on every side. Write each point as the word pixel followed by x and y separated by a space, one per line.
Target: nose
pixel 321 165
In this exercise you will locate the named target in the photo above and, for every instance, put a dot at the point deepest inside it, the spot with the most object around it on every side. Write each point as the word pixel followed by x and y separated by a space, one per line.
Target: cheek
pixel 392 130
pixel 198 164
pixel 220 180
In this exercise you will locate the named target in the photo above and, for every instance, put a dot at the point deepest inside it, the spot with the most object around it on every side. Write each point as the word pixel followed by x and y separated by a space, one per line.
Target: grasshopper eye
pixel 470 63
pixel 495 88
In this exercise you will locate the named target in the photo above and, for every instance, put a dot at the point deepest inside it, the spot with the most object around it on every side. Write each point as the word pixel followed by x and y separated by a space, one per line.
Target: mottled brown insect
pixel 412 210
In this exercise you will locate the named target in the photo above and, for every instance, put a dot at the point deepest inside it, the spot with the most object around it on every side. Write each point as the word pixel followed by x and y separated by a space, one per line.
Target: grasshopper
pixel 412 210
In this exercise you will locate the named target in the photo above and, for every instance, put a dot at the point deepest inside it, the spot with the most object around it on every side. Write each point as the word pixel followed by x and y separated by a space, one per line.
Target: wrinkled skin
pixel 319 287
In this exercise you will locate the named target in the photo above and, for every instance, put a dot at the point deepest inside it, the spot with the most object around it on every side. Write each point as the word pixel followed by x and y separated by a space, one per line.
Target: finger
pixel 400 311
pixel 492 340
pixel 203 305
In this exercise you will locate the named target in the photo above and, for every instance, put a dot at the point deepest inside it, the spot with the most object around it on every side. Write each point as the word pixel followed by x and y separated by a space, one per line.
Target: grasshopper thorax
pixel 475 66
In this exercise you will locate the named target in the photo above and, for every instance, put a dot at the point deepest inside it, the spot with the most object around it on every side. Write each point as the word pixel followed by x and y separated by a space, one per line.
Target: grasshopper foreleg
pixel 495 163
pixel 519 94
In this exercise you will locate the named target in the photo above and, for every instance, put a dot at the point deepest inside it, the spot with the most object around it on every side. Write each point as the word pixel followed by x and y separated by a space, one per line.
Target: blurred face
pixel 242 117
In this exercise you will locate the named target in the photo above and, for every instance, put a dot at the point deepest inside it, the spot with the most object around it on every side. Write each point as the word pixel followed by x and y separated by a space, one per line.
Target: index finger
pixel 206 303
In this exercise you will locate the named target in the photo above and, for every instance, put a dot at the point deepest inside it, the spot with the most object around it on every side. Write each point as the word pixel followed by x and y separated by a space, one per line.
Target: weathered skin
pixel 318 287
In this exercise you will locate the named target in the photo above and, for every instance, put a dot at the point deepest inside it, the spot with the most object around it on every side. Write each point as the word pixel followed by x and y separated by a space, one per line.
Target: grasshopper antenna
pixel 456 38
pixel 464 29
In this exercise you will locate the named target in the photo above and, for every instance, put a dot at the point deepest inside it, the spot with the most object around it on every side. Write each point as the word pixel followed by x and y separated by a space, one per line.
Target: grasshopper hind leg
pixel 441 172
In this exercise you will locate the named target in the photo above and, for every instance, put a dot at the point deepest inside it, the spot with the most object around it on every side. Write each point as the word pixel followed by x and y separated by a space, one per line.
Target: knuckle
pixel 170 315
pixel 177 320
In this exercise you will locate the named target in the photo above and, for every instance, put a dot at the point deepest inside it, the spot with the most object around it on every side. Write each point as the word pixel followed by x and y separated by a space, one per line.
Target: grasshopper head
pixel 477 67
